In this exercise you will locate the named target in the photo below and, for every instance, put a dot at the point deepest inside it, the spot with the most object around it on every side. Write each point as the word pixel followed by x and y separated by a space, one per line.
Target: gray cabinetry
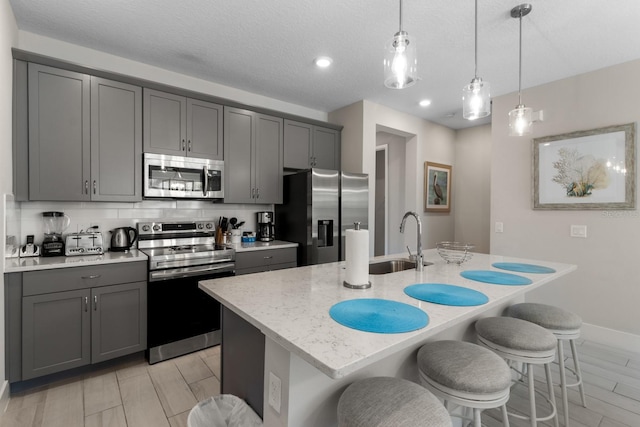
pixel 307 146
pixel 265 260
pixel 253 150
pixel 85 137
pixel 181 126
pixel 70 317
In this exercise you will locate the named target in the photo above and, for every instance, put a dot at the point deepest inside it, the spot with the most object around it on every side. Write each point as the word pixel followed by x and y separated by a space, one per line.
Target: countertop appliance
pixel 84 243
pixel 266 227
pixel 55 223
pixel 318 204
pixel 182 177
pixel 181 317
pixel 123 238
pixel 29 249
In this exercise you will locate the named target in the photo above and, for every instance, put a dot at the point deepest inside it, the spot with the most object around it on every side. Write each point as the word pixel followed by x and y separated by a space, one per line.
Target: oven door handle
pixel 158 275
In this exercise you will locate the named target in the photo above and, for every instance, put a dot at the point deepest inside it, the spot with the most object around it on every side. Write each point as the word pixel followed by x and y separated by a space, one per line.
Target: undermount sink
pixel 392 266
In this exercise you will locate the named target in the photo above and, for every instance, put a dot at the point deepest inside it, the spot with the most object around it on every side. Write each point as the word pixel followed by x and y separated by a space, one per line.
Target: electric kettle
pixel 123 238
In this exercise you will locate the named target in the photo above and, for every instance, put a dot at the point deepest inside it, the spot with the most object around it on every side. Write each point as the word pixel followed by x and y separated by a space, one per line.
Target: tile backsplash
pixel 108 216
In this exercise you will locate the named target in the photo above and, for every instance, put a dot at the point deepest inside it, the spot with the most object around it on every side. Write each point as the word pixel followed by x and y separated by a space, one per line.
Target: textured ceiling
pixel 267 47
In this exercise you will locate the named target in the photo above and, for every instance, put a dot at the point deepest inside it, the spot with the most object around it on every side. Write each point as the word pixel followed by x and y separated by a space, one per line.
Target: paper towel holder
pixel 356 226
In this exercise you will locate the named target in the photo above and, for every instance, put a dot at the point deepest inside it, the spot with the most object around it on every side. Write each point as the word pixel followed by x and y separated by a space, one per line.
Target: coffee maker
pixel 265 226
pixel 54 225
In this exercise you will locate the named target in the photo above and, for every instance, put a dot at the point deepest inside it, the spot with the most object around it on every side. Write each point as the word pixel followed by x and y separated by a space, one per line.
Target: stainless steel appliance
pixel 54 225
pixel 123 238
pixel 182 177
pixel 316 207
pixel 84 243
pixel 266 228
pixel 181 317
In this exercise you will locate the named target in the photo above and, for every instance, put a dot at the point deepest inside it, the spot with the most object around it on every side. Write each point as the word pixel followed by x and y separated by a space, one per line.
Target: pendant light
pixel 476 100
pixel 520 117
pixel 400 62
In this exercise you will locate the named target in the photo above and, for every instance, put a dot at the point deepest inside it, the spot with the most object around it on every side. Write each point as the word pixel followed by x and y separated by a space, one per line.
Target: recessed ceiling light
pixel 323 61
pixel 425 102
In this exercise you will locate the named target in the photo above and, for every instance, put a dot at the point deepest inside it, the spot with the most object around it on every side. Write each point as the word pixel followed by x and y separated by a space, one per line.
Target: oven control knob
pixel 145 228
pixel 209 225
pixel 156 227
pixel 200 226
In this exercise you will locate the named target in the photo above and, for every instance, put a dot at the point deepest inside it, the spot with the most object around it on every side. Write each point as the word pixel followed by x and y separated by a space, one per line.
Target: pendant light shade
pixel 520 119
pixel 476 97
pixel 400 62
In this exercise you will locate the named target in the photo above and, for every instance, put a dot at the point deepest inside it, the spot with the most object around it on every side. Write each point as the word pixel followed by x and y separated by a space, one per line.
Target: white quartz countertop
pixel 291 306
pixel 261 246
pixel 13 265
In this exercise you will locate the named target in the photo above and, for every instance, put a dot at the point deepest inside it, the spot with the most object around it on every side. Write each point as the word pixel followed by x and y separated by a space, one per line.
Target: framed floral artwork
pixel 437 187
pixel 592 169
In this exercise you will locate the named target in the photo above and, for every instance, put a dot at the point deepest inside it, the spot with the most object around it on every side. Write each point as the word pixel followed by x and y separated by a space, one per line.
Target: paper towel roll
pixel 357 258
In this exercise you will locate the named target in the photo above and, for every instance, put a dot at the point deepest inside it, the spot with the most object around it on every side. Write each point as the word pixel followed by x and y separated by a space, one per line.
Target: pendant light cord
pixel 400 15
pixel 520 65
pixel 476 41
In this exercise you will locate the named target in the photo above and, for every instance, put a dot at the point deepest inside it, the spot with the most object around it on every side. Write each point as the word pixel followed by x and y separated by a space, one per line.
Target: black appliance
pixel 266 227
pixel 182 318
pixel 55 223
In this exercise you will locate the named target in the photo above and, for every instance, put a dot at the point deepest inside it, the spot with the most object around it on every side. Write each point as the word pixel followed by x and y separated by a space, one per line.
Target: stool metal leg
pixel 532 395
pixel 476 417
pixel 563 383
pixel 505 416
pixel 576 365
pixel 552 396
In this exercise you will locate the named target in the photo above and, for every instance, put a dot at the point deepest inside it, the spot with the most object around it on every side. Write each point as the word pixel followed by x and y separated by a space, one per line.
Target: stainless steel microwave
pixel 182 177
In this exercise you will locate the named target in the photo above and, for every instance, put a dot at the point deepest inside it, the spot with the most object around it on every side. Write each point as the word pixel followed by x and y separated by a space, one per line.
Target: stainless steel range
pixel 181 317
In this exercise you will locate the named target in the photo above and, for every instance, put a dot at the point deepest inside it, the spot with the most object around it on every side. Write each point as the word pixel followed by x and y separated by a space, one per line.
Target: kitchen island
pixel 315 358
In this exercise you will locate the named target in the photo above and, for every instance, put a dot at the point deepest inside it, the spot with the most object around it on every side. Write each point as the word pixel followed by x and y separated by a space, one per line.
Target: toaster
pixel 84 244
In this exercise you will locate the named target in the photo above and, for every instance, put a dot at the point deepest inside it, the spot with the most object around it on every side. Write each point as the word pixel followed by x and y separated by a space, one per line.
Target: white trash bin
pixel 225 410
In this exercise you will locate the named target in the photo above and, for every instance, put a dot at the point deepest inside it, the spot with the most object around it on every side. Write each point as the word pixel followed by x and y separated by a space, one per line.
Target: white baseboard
pixel 611 337
pixel 4 397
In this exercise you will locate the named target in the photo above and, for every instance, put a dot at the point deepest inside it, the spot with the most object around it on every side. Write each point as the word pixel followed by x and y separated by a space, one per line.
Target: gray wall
pixel 605 290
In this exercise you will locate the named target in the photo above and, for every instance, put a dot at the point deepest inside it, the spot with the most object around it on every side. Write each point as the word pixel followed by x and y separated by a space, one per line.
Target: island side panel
pixel 242 360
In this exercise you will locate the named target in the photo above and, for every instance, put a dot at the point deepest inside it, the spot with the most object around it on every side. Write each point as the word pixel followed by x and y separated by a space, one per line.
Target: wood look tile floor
pixel 135 394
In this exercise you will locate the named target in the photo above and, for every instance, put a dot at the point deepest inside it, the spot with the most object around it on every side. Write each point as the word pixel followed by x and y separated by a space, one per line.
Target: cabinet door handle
pixel 189 145
pixel 267 257
pixel 95 303
pixel 253 193
pixel 86 187
pixel 86 304
pixel 94 186
pixel 257 193
pixel 183 146
pixel 93 276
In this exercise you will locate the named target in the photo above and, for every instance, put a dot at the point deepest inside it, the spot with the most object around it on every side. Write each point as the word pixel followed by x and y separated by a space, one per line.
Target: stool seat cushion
pixel 390 402
pixel 516 334
pixel 464 366
pixel 547 316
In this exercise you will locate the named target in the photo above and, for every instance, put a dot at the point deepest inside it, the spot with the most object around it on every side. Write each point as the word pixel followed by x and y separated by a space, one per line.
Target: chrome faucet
pixel 418 257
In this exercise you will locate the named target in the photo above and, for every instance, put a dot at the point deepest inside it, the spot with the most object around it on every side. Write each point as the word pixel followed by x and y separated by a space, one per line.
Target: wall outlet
pixel 499 227
pixel 275 391
pixel 579 231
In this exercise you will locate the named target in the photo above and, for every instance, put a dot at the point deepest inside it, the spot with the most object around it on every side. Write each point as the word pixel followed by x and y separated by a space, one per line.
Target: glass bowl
pixel 455 252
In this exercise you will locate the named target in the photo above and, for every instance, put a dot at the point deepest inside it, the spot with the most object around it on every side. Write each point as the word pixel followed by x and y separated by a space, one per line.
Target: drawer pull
pixel 86 304
pixel 93 276
pixel 267 257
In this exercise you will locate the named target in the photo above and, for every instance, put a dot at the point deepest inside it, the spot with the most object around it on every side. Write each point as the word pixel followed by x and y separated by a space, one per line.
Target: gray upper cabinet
pixel 180 126
pixel 307 146
pixel 253 150
pixel 59 137
pixel 85 137
pixel 116 141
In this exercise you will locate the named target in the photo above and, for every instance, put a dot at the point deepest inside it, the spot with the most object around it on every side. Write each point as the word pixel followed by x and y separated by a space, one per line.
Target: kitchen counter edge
pixel 17 265
pixel 261 246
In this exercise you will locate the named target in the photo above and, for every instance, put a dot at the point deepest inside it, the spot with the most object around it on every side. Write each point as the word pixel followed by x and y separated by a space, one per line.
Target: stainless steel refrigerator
pixel 318 205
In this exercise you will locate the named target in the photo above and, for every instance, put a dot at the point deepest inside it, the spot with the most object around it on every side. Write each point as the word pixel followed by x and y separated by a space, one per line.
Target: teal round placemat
pixel 378 315
pixel 523 268
pixel 496 277
pixel 440 293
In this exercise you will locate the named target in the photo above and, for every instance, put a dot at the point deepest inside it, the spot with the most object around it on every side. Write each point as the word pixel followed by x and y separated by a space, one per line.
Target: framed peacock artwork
pixel 437 187
pixel 592 169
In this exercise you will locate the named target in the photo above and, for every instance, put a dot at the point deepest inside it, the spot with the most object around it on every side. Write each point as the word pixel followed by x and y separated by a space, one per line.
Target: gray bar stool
pixel 519 341
pixel 390 402
pixel 566 327
pixel 465 374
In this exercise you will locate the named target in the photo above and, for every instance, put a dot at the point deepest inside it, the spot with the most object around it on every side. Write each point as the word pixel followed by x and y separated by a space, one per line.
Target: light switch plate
pixel 579 231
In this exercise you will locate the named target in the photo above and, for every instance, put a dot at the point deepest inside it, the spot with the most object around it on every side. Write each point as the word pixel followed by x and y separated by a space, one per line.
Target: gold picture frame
pixel 437 187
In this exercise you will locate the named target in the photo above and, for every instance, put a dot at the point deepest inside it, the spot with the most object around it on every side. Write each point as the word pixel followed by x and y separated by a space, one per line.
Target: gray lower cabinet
pixel 265 260
pixel 253 151
pixel 85 137
pixel 307 146
pixel 181 126
pixel 70 317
